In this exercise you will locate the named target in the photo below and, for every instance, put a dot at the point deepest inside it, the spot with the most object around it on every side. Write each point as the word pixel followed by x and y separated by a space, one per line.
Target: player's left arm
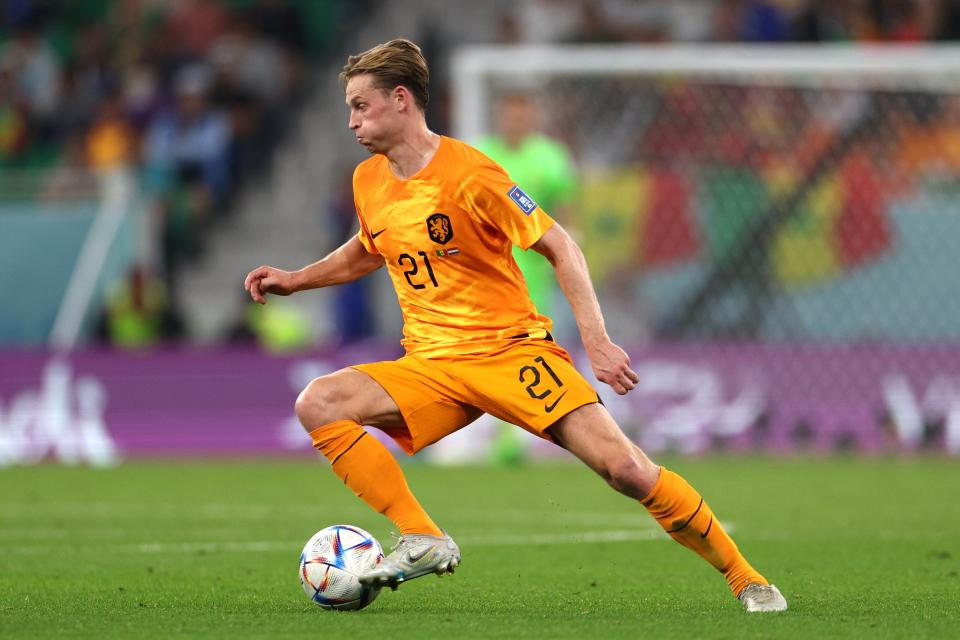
pixel 611 364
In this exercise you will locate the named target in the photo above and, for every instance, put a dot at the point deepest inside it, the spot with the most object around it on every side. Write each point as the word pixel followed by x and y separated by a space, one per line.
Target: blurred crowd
pixel 197 91
pixel 730 21
pixel 194 94
pixel 695 21
pixel 197 94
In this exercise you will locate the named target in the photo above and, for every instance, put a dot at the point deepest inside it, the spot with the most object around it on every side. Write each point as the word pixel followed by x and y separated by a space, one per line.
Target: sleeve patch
pixel 522 200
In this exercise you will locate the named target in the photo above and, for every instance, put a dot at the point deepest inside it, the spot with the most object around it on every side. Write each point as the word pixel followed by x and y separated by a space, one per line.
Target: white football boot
pixel 414 556
pixel 762 597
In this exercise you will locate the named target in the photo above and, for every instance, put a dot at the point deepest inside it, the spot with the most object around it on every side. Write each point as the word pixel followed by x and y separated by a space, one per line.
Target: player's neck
pixel 515 140
pixel 414 151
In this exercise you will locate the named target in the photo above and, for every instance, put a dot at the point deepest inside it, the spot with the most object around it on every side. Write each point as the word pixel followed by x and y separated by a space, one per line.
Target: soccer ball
pixel 330 563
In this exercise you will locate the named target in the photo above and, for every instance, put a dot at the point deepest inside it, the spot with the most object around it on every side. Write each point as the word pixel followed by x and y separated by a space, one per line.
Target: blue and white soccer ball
pixel 330 563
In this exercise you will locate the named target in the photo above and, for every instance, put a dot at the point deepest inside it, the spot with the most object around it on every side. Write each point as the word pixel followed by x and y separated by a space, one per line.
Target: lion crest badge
pixel 439 228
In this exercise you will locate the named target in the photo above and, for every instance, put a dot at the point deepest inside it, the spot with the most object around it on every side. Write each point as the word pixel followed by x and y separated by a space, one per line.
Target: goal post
pixel 476 71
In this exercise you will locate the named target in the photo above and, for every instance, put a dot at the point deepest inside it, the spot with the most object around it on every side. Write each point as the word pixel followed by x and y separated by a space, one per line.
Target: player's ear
pixel 401 98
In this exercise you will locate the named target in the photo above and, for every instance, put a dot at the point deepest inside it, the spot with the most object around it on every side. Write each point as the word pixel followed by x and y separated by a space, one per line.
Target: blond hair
pixel 394 63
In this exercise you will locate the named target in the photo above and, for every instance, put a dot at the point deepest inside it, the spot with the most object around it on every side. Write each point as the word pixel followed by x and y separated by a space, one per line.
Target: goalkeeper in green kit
pixel 545 168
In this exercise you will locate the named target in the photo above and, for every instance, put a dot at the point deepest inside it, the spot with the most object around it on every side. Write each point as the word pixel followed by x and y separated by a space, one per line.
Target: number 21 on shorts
pixel 531 377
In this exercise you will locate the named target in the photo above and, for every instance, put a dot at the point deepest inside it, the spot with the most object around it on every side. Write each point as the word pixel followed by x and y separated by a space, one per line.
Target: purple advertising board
pixel 100 407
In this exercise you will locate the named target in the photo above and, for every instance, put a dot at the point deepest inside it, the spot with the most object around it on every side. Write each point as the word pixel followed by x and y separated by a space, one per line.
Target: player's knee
pixel 319 403
pixel 628 475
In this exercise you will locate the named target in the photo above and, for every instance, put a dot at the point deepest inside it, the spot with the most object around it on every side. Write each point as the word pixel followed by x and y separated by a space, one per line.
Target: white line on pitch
pixel 503 540
pixel 506 540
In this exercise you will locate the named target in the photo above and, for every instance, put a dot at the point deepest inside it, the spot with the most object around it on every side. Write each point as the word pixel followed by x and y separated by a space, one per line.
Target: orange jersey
pixel 446 235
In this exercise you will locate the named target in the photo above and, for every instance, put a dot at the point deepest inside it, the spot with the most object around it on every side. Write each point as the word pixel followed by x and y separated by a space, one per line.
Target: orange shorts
pixel 531 383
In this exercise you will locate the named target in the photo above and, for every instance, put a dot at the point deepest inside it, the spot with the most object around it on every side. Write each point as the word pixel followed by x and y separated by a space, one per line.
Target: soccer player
pixel 443 217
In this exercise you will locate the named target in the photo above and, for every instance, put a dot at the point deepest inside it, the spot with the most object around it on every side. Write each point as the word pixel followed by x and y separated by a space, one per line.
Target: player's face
pixel 517 117
pixel 374 118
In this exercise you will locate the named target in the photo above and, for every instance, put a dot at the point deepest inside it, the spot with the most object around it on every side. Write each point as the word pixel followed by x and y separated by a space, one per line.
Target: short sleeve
pixel 495 199
pixel 364 233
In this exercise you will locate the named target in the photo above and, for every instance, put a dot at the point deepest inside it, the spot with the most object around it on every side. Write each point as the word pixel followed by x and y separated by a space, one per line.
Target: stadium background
pixel 766 194
pixel 774 248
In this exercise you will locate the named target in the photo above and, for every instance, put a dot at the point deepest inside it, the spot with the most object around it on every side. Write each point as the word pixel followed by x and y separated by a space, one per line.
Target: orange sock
pixel 684 514
pixel 373 474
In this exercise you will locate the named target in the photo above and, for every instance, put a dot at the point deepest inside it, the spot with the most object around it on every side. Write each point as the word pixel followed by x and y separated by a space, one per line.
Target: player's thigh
pixel 431 403
pixel 591 434
pixel 347 394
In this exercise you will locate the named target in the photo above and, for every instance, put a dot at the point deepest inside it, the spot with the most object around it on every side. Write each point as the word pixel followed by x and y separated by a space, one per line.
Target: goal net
pixel 786 193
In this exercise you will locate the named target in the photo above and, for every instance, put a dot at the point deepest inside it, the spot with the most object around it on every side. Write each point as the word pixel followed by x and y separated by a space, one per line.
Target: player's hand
pixel 264 280
pixel 611 365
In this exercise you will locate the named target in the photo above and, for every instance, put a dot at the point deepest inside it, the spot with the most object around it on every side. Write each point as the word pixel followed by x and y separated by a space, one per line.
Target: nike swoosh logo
pixel 704 534
pixel 415 557
pixel 374 235
pixel 550 407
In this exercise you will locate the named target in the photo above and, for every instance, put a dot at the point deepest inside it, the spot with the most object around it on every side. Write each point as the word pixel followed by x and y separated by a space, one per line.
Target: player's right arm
pixel 348 262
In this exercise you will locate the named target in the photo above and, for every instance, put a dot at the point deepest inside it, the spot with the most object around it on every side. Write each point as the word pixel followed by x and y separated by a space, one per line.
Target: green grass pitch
pixel 860 548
